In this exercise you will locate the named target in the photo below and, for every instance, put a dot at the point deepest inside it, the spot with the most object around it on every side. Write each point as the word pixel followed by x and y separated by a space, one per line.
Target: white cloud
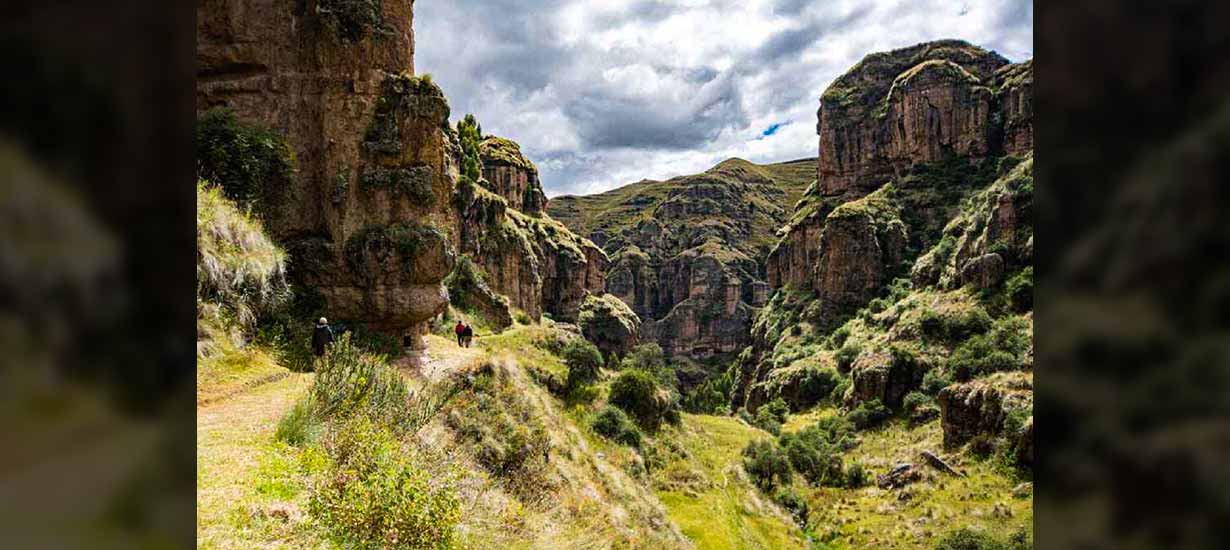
pixel 600 94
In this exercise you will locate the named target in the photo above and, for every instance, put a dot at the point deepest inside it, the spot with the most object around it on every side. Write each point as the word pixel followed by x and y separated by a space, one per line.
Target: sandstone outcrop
pixel 904 137
pixel 366 216
pixel 878 376
pixel 534 260
pixel 687 252
pixel 512 176
pixel 982 406
pixel 609 323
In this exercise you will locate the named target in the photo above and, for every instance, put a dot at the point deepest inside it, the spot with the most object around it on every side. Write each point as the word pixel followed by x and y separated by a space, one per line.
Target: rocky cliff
pixel 920 188
pixel 685 252
pixel 364 214
pixel 537 262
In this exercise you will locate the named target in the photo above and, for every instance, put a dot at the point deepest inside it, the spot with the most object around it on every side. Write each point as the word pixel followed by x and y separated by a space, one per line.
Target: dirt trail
pixel 230 436
pixel 442 357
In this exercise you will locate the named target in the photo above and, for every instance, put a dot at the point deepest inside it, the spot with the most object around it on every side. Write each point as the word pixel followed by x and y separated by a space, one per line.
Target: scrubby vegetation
pixel 251 164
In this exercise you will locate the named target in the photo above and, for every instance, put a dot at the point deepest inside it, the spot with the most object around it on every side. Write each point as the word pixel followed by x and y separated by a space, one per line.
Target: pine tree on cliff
pixel 471 133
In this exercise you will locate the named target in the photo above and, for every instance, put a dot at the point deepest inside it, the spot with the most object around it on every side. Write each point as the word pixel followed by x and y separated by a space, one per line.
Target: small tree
pixel 470 134
pixel 583 360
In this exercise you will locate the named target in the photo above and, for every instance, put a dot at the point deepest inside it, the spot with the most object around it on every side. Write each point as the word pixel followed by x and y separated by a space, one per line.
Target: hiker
pixel 460 330
pixel 469 335
pixel 321 337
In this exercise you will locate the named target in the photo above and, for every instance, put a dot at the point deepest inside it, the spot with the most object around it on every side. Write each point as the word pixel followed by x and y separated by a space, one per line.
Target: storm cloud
pixel 601 94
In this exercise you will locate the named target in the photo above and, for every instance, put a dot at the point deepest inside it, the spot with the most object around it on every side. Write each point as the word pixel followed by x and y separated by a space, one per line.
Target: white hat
pixel 324 321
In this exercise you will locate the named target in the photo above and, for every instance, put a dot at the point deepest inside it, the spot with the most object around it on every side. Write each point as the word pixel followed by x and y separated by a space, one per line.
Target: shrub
pixel 790 500
pixel 746 416
pixel 839 391
pixel 370 494
pixel 813 458
pixel 1020 290
pixel 838 338
pixel 934 381
pixel 767 464
pixel 507 433
pixel 349 380
pixel 522 318
pixel 999 350
pixel 818 383
pixel 767 421
pixel 846 355
pixel 612 423
pixel 249 162
pixel 955 326
pixel 301 424
pixel 970 539
pixel 915 399
pixel 583 360
pixel 868 414
pixel 777 408
pixel 636 392
pixel 856 476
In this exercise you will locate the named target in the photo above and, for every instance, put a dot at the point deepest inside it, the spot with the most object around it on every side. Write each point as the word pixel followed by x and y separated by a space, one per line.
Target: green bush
pixel 767 421
pixel 470 133
pixel 1020 290
pixel 507 432
pixel 794 503
pixel 369 493
pixel 583 360
pixel 934 381
pixel 915 399
pixel 249 162
pixel 813 458
pixel 954 327
pixel 838 338
pixel 777 408
pixel 746 416
pixel 856 476
pixel 839 391
pixel 301 424
pixel 818 383
pixel 612 423
pixel 970 539
pixel 1000 349
pixel 349 380
pixel 846 355
pixel 767 464
pixel 868 414
pixel 636 392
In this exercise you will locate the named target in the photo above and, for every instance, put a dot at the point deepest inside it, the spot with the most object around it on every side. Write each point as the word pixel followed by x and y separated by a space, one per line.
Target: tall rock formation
pixel 904 137
pixel 938 102
pixel 686 252
pixel 541 265
pixel 366 216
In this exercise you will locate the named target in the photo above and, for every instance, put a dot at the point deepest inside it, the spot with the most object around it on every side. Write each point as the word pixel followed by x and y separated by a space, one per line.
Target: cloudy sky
pixel 601 93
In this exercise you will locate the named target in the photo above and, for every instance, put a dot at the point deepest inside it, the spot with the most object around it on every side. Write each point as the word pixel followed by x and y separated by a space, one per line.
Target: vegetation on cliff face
pixel 251 164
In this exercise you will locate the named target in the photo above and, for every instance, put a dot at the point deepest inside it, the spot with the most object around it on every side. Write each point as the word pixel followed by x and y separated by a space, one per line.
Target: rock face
pixel 877 376
pixel 367 213
pixel 510 175
pixel 609 323
pixel 904 137
pixel 896 110
pixel 537 262
pixel 686 252
pixel 982 406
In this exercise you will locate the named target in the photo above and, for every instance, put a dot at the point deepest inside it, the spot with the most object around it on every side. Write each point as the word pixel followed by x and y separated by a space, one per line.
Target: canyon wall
pixel 537 262
pixel 365 215
pixel 684 252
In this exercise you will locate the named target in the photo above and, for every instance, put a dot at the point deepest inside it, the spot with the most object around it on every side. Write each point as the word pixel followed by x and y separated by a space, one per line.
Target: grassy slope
pixel 876 518
pixel 727 511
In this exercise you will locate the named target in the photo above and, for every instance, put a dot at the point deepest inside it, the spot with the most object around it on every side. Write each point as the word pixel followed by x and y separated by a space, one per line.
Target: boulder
pixel 900 476
pixel 609 323
pixel 985 271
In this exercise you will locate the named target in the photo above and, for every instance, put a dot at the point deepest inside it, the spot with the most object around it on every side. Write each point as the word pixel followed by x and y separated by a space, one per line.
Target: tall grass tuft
pixel 239 269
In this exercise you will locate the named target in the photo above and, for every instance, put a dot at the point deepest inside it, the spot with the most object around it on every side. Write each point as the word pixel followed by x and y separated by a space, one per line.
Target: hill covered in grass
pixel 687 253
